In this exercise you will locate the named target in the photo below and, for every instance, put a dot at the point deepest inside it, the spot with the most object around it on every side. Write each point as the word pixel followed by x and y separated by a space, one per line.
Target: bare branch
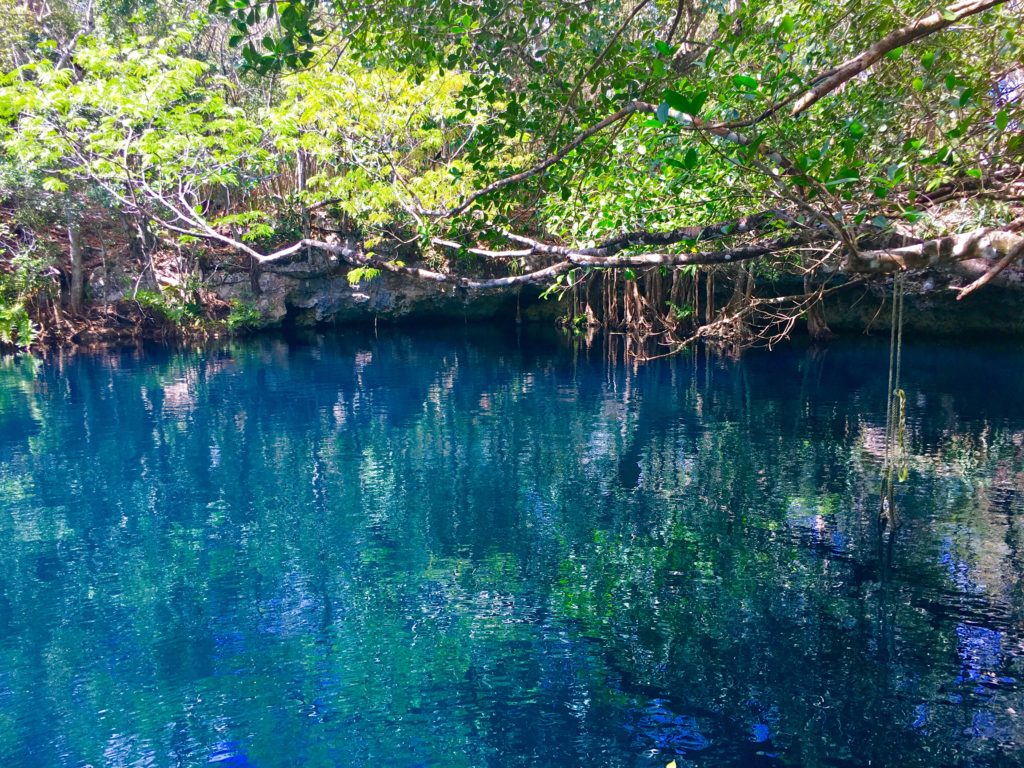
pixel 1012 255
pixel 743 225
pixel 978 243
pixel 725 256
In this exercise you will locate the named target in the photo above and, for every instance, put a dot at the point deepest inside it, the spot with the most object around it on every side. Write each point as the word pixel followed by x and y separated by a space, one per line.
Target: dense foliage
pixel 590 147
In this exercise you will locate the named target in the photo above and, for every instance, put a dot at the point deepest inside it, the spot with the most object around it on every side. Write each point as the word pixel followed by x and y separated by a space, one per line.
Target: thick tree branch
pixel 829 80
pixel 573 259
pixel 725 256
pixel 926 25
pixel 1011 256
pixel 823 84
pixel 978 243
pixel 746 224
pixel 743 225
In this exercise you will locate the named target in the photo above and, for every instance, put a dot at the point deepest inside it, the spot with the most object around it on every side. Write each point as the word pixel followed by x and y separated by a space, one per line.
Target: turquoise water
pixel 455 549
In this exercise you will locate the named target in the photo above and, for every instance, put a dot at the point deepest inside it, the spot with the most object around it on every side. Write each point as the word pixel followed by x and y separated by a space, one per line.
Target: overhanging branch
pixel 984 243
pixel 927 25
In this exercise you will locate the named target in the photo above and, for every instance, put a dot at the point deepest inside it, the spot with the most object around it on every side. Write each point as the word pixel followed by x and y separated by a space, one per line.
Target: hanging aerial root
pixel 894 466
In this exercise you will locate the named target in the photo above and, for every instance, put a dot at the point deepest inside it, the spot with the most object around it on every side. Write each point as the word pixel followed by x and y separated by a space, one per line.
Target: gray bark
pixel 77 295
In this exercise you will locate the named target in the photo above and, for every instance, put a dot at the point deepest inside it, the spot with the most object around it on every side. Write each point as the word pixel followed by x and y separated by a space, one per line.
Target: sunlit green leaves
pixel 135 119
pixel 381 163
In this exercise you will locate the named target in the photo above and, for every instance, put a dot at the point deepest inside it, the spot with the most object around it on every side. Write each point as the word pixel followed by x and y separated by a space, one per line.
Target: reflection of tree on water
pixel 511 551
pixel 877 573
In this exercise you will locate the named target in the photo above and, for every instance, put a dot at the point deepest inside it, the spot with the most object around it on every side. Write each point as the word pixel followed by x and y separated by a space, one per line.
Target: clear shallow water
pixel 445 549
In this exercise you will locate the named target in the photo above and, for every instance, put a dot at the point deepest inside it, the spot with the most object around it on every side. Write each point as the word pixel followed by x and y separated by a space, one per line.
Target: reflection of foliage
pixel 17 375
pixel 314 543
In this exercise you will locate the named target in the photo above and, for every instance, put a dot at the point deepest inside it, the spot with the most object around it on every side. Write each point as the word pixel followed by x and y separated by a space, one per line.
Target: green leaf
pixel 744 81
pixel 689 105
pixel 845 176
pixel 691 159
pixel 697 101
pixel 1002 120
pixel 676 101
pixel 53 184
pixel 357 275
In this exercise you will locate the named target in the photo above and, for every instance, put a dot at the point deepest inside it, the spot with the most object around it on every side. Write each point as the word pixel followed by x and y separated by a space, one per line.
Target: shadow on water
pixel 487 547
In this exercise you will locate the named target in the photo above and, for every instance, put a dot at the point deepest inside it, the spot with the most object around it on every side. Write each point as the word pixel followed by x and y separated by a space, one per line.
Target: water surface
pixel 473 549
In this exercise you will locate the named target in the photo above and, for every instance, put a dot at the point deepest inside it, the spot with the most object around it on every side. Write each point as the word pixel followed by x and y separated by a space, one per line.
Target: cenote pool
pixel 479 549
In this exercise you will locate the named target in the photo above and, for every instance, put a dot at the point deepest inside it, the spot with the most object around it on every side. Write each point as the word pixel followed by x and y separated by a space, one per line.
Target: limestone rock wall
pixel 293 295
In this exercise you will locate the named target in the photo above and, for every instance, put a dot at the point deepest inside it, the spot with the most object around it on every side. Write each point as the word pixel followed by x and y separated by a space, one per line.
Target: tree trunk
pixel 300 187
pixel 709 299
pixel 142 250
pixel 816 325
pixel 77 266
pixel 254 276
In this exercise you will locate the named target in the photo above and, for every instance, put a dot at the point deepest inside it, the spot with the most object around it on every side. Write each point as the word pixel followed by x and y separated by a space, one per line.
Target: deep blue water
pixel 478 549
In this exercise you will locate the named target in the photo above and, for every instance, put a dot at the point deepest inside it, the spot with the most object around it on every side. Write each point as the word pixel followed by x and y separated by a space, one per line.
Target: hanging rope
pixel 895 465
